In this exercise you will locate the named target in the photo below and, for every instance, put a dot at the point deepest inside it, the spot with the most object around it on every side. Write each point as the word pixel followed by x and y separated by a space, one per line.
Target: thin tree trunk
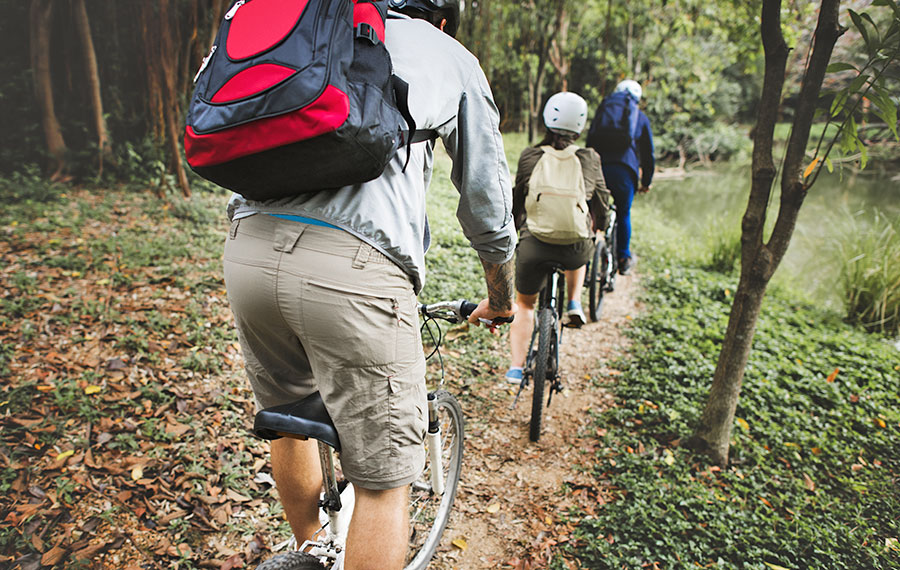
pixel 82 25
pixel 629 40
pixel 41 14
pixel 171 108
pixel 760 260
pixel 161 61
pixel 603 73
pixel 559 56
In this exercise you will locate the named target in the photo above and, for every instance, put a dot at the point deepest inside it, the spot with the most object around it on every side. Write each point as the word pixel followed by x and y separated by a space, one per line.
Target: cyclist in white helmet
pixel 559 200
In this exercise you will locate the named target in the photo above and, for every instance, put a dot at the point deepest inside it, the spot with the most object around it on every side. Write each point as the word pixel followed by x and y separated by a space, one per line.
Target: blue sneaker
pixel 574 317
pixel 514 375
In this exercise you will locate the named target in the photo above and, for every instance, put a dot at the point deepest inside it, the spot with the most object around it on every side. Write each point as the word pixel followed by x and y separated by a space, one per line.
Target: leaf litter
pixel 125 412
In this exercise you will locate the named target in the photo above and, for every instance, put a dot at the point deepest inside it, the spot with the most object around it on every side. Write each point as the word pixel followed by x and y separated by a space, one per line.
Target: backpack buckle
pixel 366 31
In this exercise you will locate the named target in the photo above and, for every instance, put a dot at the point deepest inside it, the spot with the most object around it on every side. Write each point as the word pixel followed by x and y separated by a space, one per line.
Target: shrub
pixel 870 274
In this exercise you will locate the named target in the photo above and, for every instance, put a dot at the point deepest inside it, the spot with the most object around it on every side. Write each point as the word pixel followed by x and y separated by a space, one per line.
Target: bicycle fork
pixel 434 447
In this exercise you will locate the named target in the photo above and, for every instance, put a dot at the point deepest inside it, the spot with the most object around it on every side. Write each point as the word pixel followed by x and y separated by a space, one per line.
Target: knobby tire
pixel 293 560
pixel 429 513
pixel 541 367
pixel 597 283
pixel 612 268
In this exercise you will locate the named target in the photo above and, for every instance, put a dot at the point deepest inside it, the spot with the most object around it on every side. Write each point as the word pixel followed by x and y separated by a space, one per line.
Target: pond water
pixel 837 205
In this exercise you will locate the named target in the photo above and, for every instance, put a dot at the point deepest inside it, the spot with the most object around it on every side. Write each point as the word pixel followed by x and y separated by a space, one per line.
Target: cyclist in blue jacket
pixel 623 170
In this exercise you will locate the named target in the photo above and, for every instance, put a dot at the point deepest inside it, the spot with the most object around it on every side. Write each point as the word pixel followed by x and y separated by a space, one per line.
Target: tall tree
pixel 83 28
pixel 760 258
pixel 161 52
pixel 41 15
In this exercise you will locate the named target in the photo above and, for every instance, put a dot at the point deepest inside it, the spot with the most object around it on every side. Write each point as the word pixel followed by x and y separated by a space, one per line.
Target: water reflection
pixel 837 204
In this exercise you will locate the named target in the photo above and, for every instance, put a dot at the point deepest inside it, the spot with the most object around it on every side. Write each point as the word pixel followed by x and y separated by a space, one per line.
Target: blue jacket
pixel 639 154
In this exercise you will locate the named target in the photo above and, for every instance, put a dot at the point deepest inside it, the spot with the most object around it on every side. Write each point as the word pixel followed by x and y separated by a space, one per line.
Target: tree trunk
pixel 171 108
pixel 760 260
pixel 161 53
pixel 604 73
pixel 41 14
pixel 558 53
pixel 82 26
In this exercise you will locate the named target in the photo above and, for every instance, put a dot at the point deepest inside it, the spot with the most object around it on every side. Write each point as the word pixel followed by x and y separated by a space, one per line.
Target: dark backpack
pixel 297 96
pixel 614 127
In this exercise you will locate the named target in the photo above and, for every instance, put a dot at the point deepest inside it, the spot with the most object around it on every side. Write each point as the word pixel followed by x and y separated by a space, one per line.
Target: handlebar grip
pixel 466 308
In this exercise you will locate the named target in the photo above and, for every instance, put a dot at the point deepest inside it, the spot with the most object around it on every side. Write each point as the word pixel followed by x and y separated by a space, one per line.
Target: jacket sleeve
pixel 648 163
pixel 480 172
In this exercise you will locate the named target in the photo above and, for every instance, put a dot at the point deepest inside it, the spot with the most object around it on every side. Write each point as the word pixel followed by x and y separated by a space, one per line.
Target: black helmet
pixel 447 9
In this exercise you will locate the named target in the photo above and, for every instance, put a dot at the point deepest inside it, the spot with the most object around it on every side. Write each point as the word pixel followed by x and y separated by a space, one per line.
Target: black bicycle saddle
pixel 306 418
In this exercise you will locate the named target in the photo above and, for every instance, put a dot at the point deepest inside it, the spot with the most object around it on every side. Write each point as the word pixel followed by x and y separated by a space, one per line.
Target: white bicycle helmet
pixel 566 111
pixel 631 86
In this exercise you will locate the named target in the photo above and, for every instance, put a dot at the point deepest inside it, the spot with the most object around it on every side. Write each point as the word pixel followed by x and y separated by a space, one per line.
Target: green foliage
pixel 28 185
pixel 816 450
pixel 724 244
pixel 870 273
pixel 865 78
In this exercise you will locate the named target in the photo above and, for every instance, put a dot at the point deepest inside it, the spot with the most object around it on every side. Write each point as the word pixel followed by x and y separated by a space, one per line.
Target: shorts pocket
pixel 353 330
pixel 408 413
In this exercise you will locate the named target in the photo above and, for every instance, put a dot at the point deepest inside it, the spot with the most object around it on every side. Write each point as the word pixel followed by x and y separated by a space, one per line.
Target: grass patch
pixel 816 449
pixel 869 255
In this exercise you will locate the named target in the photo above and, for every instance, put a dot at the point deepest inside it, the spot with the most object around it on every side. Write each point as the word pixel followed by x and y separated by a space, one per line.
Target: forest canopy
pixel 99 87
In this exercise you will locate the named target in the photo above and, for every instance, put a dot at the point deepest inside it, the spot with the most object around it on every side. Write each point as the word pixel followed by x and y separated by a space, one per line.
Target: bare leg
pixel 520 329
pixel 575 283
pixel 298 476
pixel 379 530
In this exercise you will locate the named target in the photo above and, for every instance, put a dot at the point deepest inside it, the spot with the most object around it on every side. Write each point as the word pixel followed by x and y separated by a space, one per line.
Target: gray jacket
pixel 448 93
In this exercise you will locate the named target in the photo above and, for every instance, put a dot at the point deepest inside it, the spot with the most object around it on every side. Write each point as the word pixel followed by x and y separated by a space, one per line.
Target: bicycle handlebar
pixel 456 311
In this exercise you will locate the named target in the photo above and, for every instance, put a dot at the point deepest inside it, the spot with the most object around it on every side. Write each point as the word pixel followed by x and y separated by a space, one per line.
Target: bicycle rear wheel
pixel 596 283
pixel 546 322
pixel 611 266
pixel 294 560
pixel 429 512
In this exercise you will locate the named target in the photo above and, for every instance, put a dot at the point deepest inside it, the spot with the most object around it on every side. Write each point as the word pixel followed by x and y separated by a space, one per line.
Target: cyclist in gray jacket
pixel 323 288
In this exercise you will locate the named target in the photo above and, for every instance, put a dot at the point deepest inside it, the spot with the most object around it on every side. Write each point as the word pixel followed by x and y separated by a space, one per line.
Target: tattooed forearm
pixel 499 280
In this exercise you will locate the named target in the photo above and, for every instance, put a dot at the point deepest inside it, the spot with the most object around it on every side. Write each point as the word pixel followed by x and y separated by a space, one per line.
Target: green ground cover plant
pixel 815 459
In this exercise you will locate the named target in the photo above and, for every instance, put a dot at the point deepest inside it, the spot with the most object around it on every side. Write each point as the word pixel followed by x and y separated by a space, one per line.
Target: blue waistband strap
pixel 309 221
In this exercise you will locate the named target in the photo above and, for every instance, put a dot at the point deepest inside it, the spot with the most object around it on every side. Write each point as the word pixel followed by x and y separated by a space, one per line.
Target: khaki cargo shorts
pixel 319 309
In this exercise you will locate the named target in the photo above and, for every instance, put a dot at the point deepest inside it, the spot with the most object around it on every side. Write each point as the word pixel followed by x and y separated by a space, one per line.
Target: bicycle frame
pixel 336 505
pixel 548 298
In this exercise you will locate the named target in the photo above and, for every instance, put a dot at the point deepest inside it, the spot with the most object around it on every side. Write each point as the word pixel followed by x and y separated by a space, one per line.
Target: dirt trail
pixel 511 507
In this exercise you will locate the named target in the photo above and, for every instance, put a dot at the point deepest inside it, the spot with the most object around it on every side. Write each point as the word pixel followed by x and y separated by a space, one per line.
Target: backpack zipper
pixel 205 62
pixel 230 14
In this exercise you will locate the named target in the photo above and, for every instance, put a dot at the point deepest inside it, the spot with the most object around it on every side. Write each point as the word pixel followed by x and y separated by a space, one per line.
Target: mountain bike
pixel 432 494
pixel 600 277
pixel 542 364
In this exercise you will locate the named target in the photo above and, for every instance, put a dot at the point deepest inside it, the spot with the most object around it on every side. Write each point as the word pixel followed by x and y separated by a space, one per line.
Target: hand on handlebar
pixel 485 315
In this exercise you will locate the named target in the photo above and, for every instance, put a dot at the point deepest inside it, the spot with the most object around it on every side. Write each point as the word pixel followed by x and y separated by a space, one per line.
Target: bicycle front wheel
pixel 429 511
pixel 597 285
pixel 546 322
pixel 612 255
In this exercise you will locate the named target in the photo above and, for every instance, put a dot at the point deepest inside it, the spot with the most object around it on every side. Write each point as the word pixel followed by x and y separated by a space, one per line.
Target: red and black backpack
pixel 297 96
